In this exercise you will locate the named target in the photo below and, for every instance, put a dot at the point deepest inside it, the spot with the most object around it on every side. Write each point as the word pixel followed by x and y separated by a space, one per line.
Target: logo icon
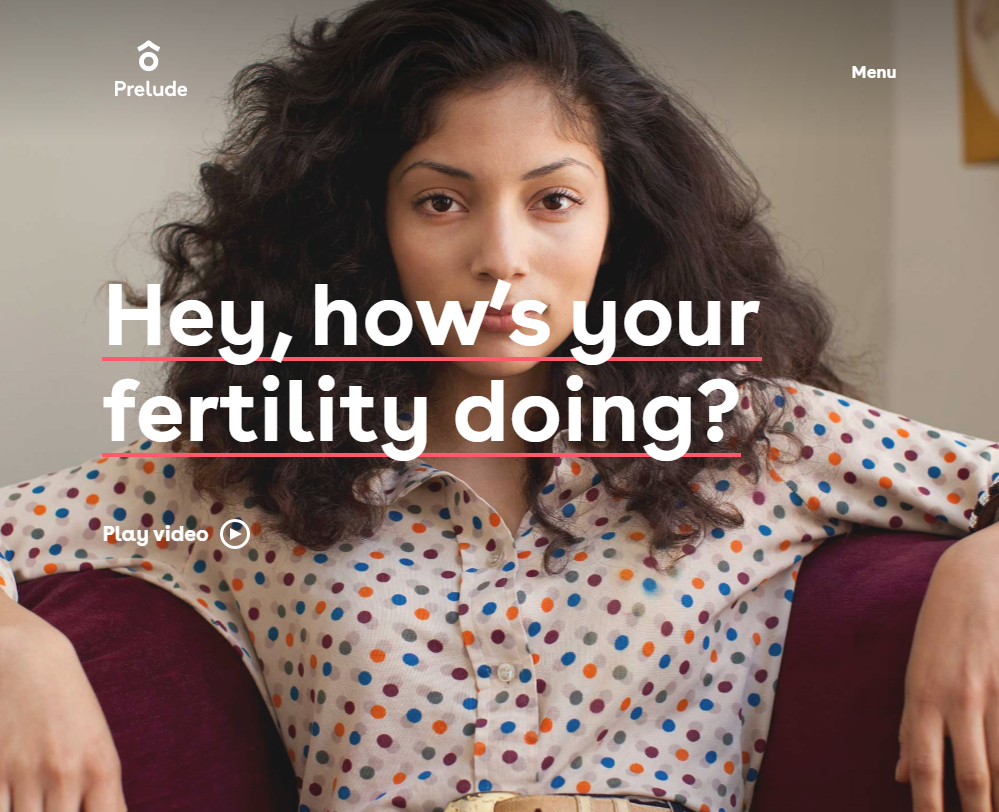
pixel 234 534
pixel 148 61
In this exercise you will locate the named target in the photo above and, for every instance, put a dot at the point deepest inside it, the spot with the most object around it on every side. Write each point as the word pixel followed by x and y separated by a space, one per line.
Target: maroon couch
pixel 194 734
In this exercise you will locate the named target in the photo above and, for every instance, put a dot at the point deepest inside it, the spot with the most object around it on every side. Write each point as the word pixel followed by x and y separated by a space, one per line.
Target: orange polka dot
pixel 422 614
pixel 39 510
pixel 626 574
pixel 688 636
pixel 377 655
pixel 546 725
pixel 338 729
pixel 682 705
pixel 625 703
pixel 377 554
pixel 276 699
pixel 682 755
pixel 649 648
pixel 583 787
pixel 835 458
pixel 440 727
pixel 365 591
pixel 148 467
pixel 885 482
pixel 398 778
pixel 313 661
pixel 147 566
pixel 494 519
pixel 953 498
pixel 289 640
pixel 50 568
pixel 480 748
pixel 419 527
pixel 589 670
pixel 547 604
pixel 729 767
pixel 530 737
pixel 237 584
pixel 697 583
pixel 580 557
pixel 834 417
pixel 163 543
pixel 902 432
pixel 736 546
pixel 814 503
pixel 637 768
pixel 512 612
pixel 320 607
pixel 467 638
pixel 298 549
pixel 575 468
pixel 378 711
pixel 93 499
pixel 950 456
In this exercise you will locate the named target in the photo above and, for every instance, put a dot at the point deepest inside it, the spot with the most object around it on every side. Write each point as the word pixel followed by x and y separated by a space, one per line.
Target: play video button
pixel 234 534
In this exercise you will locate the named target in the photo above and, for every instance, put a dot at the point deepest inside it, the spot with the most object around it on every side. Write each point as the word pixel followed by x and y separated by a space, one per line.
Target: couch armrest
pixel 190 727
pixel 841 688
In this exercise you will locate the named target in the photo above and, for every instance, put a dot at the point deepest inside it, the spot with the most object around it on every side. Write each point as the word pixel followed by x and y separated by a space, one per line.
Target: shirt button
pixel 495 559
pixel 505 672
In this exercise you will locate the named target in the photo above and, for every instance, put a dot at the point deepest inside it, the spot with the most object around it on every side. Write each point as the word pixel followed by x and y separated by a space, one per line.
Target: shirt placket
pixel 507 723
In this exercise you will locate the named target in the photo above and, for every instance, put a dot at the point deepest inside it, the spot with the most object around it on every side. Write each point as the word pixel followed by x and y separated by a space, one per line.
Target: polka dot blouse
pixel 438 658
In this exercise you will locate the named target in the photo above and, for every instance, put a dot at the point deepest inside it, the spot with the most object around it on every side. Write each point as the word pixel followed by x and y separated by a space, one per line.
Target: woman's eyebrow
pixel 454 172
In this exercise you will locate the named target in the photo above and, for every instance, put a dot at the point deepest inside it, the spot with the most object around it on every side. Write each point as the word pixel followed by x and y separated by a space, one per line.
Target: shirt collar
pixel 570 477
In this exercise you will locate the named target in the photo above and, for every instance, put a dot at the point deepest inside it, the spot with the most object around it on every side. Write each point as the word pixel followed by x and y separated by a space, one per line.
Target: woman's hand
pixel 56 751
pixel 952 681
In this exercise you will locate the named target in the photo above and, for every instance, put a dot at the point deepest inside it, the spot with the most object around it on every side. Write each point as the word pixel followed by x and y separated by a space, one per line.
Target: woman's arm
pixel 952 680
pixel 862 464
pixel 56 751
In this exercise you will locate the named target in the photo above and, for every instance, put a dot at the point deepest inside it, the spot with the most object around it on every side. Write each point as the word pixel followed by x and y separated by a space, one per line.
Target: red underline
pixel 382 454
pixel 436 358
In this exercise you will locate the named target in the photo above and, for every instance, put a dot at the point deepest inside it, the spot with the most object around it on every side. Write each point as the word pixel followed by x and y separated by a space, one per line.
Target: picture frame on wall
pixel 978 27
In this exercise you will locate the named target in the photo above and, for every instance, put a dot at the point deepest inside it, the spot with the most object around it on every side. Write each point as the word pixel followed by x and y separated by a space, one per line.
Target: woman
pixel 568 625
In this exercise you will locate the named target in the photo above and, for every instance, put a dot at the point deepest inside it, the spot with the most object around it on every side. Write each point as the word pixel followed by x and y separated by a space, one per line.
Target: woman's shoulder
pixel 133 486
pixel 854 457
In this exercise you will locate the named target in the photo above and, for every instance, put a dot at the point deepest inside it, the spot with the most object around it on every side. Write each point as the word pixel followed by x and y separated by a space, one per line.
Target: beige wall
pixel 943 365
pixel 82 171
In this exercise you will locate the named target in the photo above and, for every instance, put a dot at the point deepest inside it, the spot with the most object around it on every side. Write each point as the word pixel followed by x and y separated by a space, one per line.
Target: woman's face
pixel 507 198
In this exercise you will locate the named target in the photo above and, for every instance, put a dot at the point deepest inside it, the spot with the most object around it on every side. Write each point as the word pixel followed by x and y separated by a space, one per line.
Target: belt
pixel 496 801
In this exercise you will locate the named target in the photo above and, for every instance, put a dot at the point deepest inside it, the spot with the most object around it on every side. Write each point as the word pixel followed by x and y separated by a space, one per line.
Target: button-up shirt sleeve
pixel 56 522
pixel 866 465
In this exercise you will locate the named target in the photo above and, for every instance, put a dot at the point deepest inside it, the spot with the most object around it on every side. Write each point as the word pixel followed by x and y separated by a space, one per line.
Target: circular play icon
pixel 234 534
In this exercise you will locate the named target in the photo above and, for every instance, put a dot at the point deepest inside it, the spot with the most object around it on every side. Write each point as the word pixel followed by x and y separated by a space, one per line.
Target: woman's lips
pixel 500 321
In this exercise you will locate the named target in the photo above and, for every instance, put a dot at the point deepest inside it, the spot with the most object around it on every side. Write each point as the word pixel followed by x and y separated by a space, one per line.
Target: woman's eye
pixel 554 201
pixel 557 199
pixel 440 204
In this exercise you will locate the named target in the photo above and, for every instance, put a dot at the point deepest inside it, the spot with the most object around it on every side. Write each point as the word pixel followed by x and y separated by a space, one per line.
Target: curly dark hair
pixel 294 196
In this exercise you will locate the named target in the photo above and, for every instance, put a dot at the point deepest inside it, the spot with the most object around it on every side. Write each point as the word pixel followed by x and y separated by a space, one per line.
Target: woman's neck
pixel 455 385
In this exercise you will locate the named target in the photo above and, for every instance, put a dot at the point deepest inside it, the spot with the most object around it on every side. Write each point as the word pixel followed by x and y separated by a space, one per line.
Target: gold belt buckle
pixel 478 801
